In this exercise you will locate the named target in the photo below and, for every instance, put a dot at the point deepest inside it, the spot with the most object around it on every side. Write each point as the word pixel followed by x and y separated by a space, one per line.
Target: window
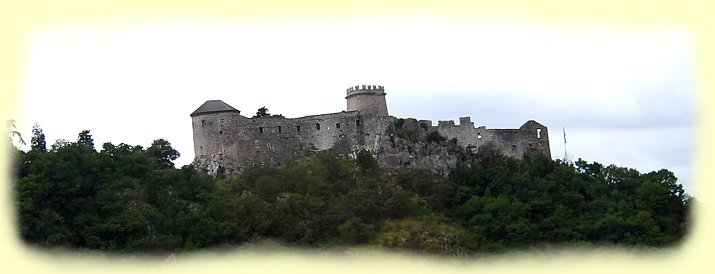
pixel 220 132
pixel 337 125
pixel 203 123
pixel 221 121
pixel 538 133
pixel 260 129
pixel 279 129
pixel 357 123
pixel 297 128
pixel 317 126
pixel 479 136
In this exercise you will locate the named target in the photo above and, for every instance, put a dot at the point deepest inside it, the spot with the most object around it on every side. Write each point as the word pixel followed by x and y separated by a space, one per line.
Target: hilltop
pixel 126 198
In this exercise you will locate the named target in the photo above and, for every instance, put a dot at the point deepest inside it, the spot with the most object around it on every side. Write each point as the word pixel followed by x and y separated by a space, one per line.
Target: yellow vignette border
pixel 19 19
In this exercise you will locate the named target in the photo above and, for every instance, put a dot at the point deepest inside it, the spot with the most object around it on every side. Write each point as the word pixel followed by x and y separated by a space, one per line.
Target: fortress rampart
pixel 226 142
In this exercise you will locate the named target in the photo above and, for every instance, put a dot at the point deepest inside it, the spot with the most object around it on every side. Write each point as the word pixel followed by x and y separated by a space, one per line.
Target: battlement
pixel 465 122
pixel 426 122
pixel 449 123
pixel 365 89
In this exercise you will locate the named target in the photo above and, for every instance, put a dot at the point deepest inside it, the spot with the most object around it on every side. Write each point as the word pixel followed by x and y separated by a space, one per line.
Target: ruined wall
pixel 227 142
pixel 231 142
pixel 531 137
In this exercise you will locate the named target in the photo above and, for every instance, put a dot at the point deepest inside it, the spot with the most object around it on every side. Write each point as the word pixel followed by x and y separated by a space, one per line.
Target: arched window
pixel 317 126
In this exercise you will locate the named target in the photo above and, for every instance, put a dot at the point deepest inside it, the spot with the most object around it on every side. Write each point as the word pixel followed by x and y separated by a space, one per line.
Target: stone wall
pixel 531 137
pixel 226 142
pixel 231 142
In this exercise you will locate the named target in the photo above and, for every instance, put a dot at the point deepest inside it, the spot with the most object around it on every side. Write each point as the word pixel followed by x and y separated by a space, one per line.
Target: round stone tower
pixel 211 122
pixel 368 98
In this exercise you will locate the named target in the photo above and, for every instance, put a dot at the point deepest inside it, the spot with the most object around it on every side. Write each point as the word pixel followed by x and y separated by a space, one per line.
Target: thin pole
pixel 564 128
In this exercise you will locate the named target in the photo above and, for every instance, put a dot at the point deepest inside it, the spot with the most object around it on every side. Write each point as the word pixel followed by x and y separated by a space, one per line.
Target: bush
pixel 434 136
pixel 365 160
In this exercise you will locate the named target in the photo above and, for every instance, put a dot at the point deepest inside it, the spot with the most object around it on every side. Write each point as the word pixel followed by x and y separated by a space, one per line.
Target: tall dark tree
pixel 85 139
pixel 37 141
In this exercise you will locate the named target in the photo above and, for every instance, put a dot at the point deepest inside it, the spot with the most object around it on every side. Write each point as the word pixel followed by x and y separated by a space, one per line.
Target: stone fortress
pixel 225 142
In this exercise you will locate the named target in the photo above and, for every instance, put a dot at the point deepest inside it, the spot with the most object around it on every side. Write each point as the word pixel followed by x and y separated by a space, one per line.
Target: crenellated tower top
pixel 370 98
pixel 362 88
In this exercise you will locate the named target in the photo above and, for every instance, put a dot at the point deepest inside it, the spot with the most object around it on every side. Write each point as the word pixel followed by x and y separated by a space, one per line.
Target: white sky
pixel 625 97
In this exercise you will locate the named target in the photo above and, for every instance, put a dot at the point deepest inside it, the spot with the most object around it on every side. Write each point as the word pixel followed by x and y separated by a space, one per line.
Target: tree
pixel 12 133
pixel 37 141
pixel 365 160
pixel 85 139
pixel 162 154
pixel 59 143
pixel 262 112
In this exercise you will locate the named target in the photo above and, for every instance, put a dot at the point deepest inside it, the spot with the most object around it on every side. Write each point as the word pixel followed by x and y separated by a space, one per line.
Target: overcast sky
pixel 624 97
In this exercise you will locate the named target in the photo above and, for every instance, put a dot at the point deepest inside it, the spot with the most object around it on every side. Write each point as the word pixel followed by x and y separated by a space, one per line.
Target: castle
pixel 226 142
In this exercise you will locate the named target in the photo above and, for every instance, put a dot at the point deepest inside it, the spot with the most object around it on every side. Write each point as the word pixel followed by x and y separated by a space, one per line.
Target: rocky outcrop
pixel 408 144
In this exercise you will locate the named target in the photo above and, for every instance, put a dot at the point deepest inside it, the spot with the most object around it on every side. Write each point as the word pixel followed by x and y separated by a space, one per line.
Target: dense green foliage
pixel 262 112
pixel 127 198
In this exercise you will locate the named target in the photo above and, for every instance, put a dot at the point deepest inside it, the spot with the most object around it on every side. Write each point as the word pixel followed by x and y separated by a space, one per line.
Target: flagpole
pixel 564 129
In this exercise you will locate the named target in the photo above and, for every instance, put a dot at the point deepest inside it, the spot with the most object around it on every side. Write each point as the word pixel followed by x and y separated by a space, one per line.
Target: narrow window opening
pixel 203 123
pixel 357 123
pixel 538 133
pixel 317 126
pixel 220 132
pixel 279 129
pixel 479 136
pixel 260 129
pixel 297 128
pixel 337 125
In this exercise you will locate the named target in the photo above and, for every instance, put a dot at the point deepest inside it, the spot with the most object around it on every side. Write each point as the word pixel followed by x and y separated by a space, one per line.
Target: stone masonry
pixel 226 142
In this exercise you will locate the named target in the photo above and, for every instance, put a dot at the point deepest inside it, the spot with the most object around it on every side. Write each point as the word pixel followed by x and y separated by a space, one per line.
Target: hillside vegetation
pixel 127 198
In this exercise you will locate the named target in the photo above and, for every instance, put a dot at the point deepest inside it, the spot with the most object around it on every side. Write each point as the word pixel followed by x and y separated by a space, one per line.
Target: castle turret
pixel 369 98
pixel 210 123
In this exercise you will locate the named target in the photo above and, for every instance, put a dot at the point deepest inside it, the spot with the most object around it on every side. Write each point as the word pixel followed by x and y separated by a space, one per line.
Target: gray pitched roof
pixel 212 106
